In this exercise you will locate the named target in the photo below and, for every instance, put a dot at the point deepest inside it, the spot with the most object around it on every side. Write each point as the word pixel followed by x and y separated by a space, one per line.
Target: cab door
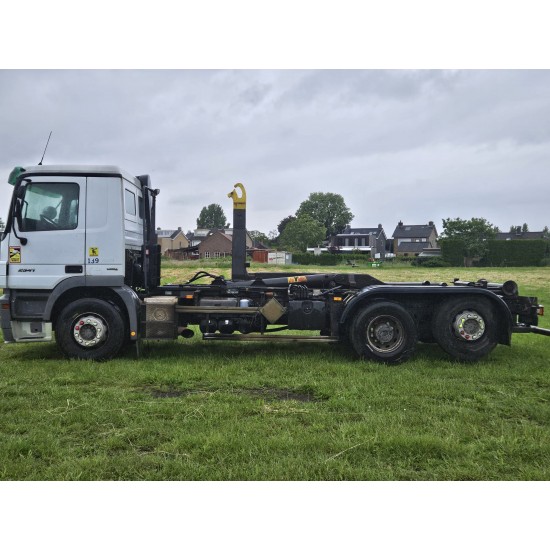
pixel 50 215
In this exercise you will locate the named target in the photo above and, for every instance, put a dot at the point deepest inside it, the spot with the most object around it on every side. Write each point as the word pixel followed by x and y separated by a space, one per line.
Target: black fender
pixel 127 297
pixel 133 307
pixel 398 293
pixel 64 286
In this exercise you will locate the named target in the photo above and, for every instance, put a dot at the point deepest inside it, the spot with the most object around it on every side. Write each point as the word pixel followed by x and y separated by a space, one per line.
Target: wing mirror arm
pixel 18 221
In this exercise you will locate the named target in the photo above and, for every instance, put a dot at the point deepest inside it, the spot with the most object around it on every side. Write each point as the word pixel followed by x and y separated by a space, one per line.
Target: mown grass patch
pixel 194 410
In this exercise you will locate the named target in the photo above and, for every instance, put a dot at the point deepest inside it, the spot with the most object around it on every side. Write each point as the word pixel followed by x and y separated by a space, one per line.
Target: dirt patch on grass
pixel 166 393
pixel 281 394
pixel 162 392
pixel 275 394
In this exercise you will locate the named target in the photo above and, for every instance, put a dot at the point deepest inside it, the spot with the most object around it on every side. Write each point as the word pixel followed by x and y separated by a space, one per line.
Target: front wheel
pixel 90 328
pixel 385 332
pixel 465 328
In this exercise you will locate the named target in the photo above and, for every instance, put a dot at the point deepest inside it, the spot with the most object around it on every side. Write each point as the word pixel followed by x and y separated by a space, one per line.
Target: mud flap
pixel 5 318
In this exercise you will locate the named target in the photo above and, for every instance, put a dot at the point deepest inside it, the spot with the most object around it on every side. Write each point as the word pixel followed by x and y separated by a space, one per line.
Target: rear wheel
pixel 90 328
pixel 466 328
pixel 385 332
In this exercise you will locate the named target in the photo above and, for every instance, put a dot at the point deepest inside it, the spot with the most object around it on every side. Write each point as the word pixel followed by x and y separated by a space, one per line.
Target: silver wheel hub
pixel 469 325
pixel 89 330
pixel 385 334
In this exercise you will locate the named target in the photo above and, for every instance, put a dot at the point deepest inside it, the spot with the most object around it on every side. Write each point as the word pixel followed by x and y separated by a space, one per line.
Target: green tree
pixel 283 223
pixel 302 232
pixel 524 228
pixel 474 234
pixel 212 217
pixel 259 236
pixel 546 231
pixel 329 209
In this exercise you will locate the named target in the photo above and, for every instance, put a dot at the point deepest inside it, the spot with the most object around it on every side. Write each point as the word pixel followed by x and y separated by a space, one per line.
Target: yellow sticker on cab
pixel 93 251
pixel 15 254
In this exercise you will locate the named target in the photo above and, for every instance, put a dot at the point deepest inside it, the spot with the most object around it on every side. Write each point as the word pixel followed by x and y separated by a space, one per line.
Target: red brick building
pixel 218 244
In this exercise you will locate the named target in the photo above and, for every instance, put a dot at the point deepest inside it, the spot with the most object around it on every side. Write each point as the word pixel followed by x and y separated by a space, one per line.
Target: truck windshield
pixel 50 207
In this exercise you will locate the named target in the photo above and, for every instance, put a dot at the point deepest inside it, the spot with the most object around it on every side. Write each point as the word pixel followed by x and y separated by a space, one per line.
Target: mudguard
pixel 397 293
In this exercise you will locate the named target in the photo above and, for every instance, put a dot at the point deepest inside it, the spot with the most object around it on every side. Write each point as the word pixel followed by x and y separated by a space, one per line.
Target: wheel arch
pixel 433 296
pixel 123 297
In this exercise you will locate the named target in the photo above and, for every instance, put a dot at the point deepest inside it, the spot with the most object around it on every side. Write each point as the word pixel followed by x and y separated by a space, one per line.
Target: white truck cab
pixel 70 225
pixel 69 228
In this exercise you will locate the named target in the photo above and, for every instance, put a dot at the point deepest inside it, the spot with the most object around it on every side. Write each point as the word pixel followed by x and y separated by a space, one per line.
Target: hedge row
pixel 326 258
pixel 517 253
pixel 452 251
pixel 307 258
pixel 513 253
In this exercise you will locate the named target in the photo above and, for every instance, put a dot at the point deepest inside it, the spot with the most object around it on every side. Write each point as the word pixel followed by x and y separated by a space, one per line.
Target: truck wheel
pixel 384 332
pixel 465 328
pixel 90 328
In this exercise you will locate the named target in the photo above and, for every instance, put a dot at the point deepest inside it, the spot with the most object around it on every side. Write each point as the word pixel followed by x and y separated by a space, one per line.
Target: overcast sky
pixel 397 145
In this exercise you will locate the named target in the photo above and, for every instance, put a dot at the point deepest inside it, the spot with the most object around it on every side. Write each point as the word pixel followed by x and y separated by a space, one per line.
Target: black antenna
pixel 40 163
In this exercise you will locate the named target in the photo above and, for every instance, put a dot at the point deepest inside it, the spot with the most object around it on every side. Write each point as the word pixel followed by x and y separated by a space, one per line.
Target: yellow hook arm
pixel 239 203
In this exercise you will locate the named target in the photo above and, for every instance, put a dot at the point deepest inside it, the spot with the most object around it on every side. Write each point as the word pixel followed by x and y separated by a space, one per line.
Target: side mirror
pixel 20 191
pixel 19 219
pixel 17 213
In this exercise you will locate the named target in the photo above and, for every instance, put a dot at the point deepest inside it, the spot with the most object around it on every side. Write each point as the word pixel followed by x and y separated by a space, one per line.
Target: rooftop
pixel 420 231
pixel 513 235
pixel 361 231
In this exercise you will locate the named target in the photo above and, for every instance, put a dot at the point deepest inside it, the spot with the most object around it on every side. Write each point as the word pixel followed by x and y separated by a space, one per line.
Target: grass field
pixel 194 410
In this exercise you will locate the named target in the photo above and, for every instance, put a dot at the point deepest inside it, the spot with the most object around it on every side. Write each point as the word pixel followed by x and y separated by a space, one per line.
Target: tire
pixel 466 328
pixel 384 332
pixel 90 328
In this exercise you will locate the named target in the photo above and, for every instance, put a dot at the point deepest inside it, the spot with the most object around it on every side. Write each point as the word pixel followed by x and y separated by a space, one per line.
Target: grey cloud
pixel 416 145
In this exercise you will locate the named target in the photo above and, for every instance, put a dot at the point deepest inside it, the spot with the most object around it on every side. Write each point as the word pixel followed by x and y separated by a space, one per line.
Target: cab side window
pixel 50 207
pixel 130 202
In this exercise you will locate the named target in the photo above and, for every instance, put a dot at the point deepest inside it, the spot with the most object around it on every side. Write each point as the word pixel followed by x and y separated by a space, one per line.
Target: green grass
pixel 194 410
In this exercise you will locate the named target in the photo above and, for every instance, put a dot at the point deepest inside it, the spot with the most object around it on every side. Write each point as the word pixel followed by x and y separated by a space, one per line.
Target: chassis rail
pixel 530 329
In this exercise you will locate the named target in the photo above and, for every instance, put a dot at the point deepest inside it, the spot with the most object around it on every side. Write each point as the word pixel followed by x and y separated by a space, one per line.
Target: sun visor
pixel 15 173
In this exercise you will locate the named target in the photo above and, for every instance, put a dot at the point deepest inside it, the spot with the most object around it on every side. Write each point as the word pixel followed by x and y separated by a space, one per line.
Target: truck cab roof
pixel 80 170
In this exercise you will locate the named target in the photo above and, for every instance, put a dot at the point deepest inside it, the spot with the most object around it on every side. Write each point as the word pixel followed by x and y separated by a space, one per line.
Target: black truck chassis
pixel 380 321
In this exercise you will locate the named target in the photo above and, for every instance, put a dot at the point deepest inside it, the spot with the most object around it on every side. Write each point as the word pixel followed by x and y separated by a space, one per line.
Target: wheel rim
pixel 469 325
pixel 89 330
pixel 385 334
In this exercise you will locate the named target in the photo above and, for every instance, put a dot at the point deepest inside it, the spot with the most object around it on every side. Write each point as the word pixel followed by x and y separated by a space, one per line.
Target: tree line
pixel 465 242
pixel 318 217
pixel 324 214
